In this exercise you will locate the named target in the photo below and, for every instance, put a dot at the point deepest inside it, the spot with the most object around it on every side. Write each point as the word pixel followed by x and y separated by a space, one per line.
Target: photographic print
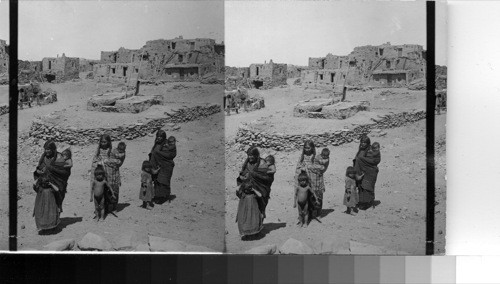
pixel 121 126
pixel 326 128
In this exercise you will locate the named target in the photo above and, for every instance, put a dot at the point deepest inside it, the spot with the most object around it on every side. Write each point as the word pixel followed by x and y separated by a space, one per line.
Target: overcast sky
pixel 292 31
pixel 85 28
pixel 254 31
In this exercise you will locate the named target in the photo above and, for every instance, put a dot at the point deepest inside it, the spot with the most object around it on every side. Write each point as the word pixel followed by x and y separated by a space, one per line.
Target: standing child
pixel 46 211
pixel 303 191
pixel 351 191
pixel 97 192
pixel 147 189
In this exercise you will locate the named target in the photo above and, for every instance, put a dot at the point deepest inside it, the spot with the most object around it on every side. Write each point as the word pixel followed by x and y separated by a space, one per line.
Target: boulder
pixel 293 246
pixel 265 249
pixel 304 107
pixel 60 245
pixel 331 246
pixel 166 245
pixel 343 110
pixel 195 248
pixel 142 247
pixel 97 101
pixel 137 104
pixel 94 242
pixel 126 242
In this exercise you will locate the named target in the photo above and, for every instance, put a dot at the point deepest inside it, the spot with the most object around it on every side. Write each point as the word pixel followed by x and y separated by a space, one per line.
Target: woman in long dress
pixel 315 172
pixel 111 168
pixel 366 165
pixel 162 156
pixel 254 191
pixel 52 164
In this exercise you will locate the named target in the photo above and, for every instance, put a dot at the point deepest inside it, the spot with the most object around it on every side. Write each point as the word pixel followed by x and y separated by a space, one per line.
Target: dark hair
pixel 253 151
pixel 161 133
pixel 122 145
pixel 246 187
pixel 44 181
pixel 67 152
pixel 108 139
pixel 375 144
pixel 171 138
pixel 146 164
pixel 51 145
pixel 365 138
pixel 271 157
pixel 309 143
pixel 303 176
pixel 99 170
pixel 349 171
pixel 325 151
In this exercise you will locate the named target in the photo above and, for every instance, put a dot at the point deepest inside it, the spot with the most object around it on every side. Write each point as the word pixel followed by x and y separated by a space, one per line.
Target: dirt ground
pixel 397 223
pixel 195 216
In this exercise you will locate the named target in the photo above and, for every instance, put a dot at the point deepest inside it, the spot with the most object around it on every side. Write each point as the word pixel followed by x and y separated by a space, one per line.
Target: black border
pixel 429 129
pixel 13 100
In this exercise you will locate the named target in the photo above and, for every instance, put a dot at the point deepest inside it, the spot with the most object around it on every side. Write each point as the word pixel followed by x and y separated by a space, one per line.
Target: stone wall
pixel 72 135
pixel 282 142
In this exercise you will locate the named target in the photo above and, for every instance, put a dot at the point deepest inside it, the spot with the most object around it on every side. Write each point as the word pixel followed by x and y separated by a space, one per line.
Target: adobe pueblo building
pixel 385 65
pixel 162 60
pixel 258 76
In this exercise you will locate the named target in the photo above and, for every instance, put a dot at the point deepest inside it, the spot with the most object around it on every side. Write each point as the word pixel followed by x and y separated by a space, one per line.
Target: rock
pixel 343 110
pixel 332 246
pixel 94 242
pixel 142 247
pixel 137 104
pixel 61 245
pixel 166 245
pixel 316 105
pixel 97 101
pixel 126 242
pixel 195 248
pixel 265 249
pixel 292 246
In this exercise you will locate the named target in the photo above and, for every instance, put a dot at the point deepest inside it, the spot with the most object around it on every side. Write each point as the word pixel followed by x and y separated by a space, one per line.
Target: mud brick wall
pixel 282 142
pixel 74 136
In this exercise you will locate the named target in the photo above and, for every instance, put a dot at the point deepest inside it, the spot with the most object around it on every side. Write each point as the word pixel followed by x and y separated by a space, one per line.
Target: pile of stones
pixel 74 136
pixel 246 136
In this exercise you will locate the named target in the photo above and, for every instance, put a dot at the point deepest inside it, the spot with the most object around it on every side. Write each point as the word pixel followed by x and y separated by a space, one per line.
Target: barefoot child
pixel 302 193
pixel 351 192
pixel 147 189
pixel 97 192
